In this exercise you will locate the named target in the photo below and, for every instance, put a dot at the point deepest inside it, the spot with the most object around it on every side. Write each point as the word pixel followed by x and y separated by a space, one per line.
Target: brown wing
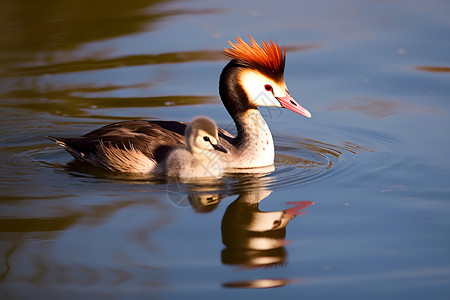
pixel 153 138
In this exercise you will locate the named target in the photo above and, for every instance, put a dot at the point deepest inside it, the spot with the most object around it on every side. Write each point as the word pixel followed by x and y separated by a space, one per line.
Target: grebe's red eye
pixel 268 87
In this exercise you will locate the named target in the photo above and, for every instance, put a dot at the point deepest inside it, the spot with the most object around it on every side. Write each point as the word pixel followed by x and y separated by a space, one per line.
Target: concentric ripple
pixel 298 161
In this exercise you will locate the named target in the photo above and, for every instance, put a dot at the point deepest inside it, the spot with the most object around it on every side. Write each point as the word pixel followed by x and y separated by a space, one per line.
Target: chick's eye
pixel 268 87
pixel 206 139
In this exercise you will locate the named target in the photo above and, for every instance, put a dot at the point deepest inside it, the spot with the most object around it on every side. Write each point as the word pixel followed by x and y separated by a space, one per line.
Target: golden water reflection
pixel 100 62
pixel 436 69
pixel 258 283
pixel 33 27
pixel 253 238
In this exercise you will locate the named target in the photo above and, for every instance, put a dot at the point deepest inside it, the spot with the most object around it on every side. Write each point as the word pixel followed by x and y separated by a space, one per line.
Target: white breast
pixel 258 149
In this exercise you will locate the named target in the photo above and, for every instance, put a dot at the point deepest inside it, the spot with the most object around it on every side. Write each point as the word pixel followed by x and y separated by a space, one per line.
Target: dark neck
pixel 233 95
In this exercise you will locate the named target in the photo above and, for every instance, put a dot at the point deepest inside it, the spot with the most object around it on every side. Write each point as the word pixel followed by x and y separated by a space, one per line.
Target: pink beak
pixel 289 103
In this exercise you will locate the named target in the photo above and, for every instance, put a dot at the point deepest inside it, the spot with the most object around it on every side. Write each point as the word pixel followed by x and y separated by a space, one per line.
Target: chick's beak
pixel 219 147
pixel 289 103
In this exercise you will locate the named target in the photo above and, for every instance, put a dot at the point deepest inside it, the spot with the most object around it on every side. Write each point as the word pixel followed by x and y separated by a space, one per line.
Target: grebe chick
pixel 199 159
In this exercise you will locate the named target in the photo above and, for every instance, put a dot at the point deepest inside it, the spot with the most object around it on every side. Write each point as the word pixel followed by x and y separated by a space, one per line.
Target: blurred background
pixel 371 166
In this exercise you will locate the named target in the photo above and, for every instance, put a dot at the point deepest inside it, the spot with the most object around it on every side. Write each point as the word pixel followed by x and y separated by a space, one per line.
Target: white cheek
pixel 278 91
pixel 254 86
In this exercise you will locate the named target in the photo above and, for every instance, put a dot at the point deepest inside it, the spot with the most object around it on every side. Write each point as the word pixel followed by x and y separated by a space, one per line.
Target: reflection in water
pixel 255 238
pixel 71 101
pixel 101 63
pixel 203 196
pixel 48 26
pixel 252 238
pixel 29 225
pixel 31 247
pixel 433 69
pixel 45 31
pixel 258 283
pixel 40 40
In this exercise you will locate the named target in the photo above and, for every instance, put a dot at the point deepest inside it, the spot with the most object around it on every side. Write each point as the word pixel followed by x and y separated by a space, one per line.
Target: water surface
pixel 356 208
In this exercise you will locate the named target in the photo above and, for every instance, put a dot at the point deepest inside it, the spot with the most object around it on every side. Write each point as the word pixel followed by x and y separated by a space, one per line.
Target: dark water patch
pixel 68 24
pixel 67 104
pixel 93 64
pixel 36 224
pixel 101 63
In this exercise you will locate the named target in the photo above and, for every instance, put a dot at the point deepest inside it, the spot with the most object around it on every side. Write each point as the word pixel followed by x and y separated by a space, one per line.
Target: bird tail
pixel 60 141
pixel 64 142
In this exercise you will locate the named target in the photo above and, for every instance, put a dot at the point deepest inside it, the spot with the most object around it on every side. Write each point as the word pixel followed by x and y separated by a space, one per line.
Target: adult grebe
pixel 254 77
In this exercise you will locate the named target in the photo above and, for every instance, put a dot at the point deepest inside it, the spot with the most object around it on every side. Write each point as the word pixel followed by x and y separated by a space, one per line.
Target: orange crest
pixel 268 59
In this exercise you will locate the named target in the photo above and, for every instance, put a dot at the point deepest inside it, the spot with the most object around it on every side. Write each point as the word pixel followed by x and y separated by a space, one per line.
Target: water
pixel 357 207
